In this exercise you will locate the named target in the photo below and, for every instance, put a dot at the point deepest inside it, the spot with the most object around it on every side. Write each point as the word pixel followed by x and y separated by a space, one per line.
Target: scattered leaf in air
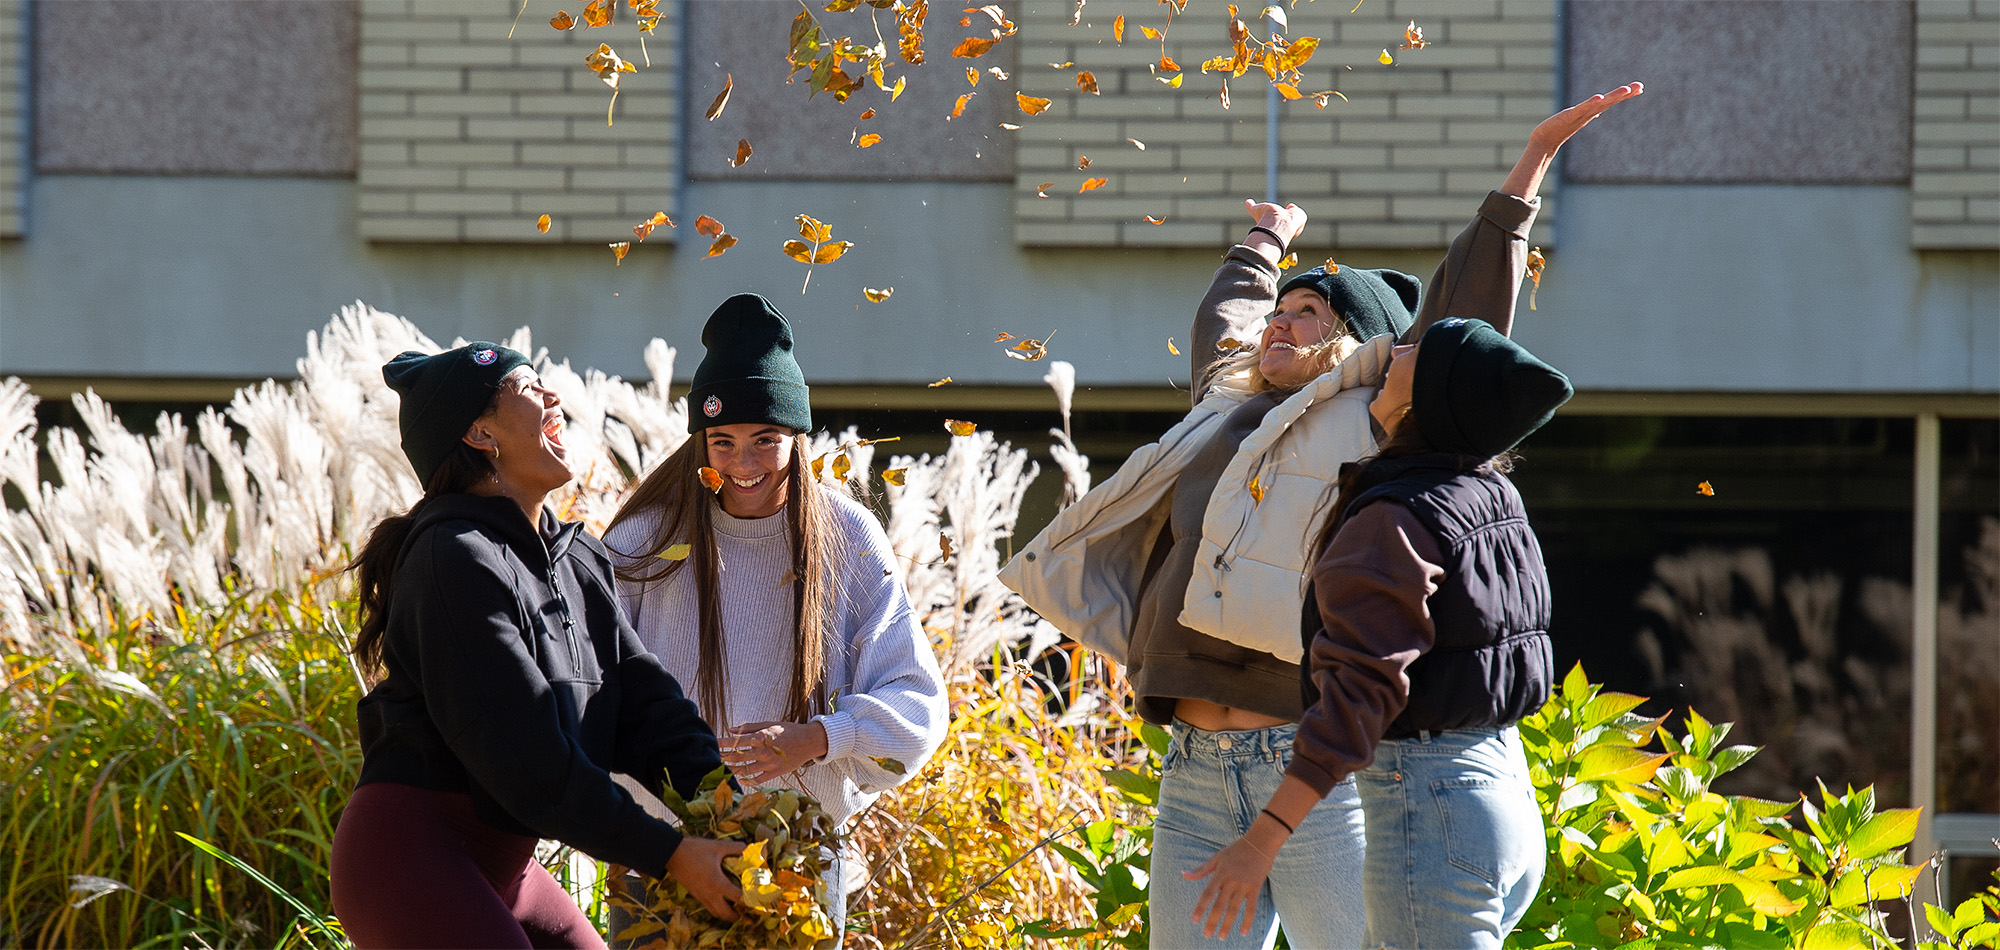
pixel 542 224
pixel 1413 37
pixel 562 20
pixel 1175 82
pixel 1092 184
pixel 897 92
pixel 677 552
pixel 1256 492
pixel 1168 65
pixel 721 98
pixel 1330 266
pixel 1536 263
pixel 818 465
pixel 1225 94
pixel 1003 337
pixel 888 765
pixel 742 153
pixel 940 382
pixel 877 296
pixel 820 251
pixel 958 108
pixel 1287 90
pixel 972 75
pixel 813 229
pixel 894 476
pixel 1152 220
pixel 1118 28
pixel 1151 34
pixel 644 229
pixel 1320 98
pixel 707 226
pixel 598 13
pixel 1290 261
pixel 868 114
pixel 607 65
pixel 959 427
pixel 841 466
pixel 1030 104
pixel 1063 65
pixel 1171 348
pixel 828 253
pixel 1228 345
pixel 1087 82
pixel 710 478
pixel 619 250
pixel 1386 59
pixel 1042 190
pixel 869 139
pixel 787 578
pixel 1276 13
pixel 973 47
pixel 1031 350
pixel 1141 146
pixel 944 548
pixel 1705 489
pixel 1082 162
pixel 997 73
pixel 1009 126
pixel 722 243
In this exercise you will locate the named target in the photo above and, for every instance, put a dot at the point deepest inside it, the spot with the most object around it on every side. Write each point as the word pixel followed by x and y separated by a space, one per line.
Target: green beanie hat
pixel 1477 393
pixel 749 373
pixel 443 394
pixel 1373 302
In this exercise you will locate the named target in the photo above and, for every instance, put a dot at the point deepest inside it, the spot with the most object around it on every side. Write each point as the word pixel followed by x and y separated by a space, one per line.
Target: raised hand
pixel 1550 134
pixel 1287 220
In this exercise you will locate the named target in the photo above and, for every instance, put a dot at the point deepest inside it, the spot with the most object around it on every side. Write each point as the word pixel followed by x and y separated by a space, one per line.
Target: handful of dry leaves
pixel 789 841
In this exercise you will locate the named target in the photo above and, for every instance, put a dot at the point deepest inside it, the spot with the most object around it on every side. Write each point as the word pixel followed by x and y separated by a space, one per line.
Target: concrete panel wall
pixel 1447 120
pixel 13 119
pixel 1955 188
pixel 1743 288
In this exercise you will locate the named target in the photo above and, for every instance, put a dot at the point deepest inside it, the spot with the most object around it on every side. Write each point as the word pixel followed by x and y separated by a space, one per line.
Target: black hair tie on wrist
pixel 1274 815
pixel 1275 236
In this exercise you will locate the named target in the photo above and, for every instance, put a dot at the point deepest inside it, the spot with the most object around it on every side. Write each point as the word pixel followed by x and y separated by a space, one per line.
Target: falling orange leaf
pixel 973 47
pixel 644 229
pixel 841 466
pixel 1256 492
pixel 1082 162
pixel 1003 337
pixel 1086 82
pixel 868 114
pixel 1152 220
pixel 958 108
pixel 944 549
pixel 707 226
pixel 940 382
pixel 1118 29
pixel 818 466
pixel 893 476
pixel 742 153
pixel 1413 37
pixel 1705 489
pixel 972 75
pixel 542 224
pixel 1092 184
pixel 959 428
pixel 1228 345
pixel 1175 81
pixel 619 250
pixel 562 20
pixel 1536 264
pixel 1290 261
pixel 1151 34
pixel 1030 104
pixel 1171 348
pixel 877 296
pixel 1141 146
pixel 1287 90
pixel 598 13
pixel 722 243
pixel 813 229
pixel 1168 65
pixel 828 253
pixel 869 139
pixel 721 98
pixel 1042 190
pixel 710 478
pixel 1068 64
pixel 1330 266
pixel 1030 350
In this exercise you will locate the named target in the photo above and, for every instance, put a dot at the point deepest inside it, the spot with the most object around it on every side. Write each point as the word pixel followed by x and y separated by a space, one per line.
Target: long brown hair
pixel 375 567
pixel 684 513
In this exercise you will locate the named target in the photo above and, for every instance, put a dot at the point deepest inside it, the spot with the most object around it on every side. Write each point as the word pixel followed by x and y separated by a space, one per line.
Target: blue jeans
pixel 1455 842
pixel 1213 785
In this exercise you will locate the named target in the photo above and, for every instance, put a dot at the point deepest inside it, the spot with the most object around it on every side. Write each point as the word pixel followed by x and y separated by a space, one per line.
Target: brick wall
pixel 469 136
pixel 1955 171
pixel 13 40
pixel 1402 163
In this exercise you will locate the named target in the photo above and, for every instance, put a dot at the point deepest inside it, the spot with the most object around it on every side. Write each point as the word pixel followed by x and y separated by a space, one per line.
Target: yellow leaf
pixel 562 20
pixel 957 427
pixel 1330 266
pixel 1536 264
pixel 1287 90
pixel 799 251
pixel 1171 348
pixel 897 92
pixel 1151 34
pixel 972 75
pixel 889 765
pixel 1030 104
pixel 811 229
pixel 940 382
pixel 1386 59
pixel 1168 65
pixel 1068 64
pixel 676 552
pixel 542 224
pixel 721 98
pixel 828 253
pixel 1003 337
pixel 707 226
pixel 894 476
pixel 598 13
pixel 1092 184
pixel 1117 30
pixel 818 464
pixel 877 296
pixel 619 250
pixel 1087 82
pixel 1705 489
pixel 1256 492
pixel 973 47
pixel 869 139
pixel 958 108
pixel 1175 82
pixel 1030 350
pixel 742 153
pixel 710 478
pixel 841 466
pixel 1290 261
pixel 722 243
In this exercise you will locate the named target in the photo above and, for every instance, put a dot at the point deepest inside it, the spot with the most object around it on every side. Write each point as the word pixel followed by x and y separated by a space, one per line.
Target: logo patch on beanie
pixel 484 357
pixel 711 407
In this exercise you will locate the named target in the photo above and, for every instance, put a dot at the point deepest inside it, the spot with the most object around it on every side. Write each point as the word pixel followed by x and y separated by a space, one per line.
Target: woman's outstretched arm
pixel 1244 290
pixel 1525 181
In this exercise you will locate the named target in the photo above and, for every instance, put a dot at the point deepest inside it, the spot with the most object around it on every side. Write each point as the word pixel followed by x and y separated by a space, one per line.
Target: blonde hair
pixel 1240 370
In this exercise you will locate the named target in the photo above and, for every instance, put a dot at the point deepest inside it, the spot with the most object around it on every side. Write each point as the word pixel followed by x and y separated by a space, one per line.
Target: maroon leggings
pixel 414 868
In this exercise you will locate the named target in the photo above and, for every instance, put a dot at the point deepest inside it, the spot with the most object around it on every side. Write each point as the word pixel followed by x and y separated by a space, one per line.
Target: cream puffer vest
pixel 1083 572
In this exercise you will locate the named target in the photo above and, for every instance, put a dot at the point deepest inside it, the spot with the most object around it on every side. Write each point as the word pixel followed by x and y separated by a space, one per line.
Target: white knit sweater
pixel 882 677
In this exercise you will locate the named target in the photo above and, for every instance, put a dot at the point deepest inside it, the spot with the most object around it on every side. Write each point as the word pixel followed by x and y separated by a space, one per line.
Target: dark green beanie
pixel 1478 393
pixel 443 394
pixel 1373 302
pixel 749 373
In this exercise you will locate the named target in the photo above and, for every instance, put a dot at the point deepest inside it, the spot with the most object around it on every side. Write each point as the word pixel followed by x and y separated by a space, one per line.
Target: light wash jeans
pixel 1213 785
pixel 1455 842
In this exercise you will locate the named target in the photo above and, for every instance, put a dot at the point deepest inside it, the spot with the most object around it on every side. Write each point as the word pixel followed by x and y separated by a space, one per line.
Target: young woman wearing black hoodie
pixel 511 687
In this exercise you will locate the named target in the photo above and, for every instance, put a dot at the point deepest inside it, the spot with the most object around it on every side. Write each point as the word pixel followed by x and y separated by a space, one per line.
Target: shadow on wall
pixel 1817 670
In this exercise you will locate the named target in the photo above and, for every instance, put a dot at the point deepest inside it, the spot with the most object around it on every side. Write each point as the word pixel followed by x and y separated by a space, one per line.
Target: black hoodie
pixel 512 675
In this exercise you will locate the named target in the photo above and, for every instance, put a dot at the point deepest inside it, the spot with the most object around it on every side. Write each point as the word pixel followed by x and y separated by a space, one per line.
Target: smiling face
pixel 525 427
pixel 1398 385
pixel 1303 319
pixel 754 459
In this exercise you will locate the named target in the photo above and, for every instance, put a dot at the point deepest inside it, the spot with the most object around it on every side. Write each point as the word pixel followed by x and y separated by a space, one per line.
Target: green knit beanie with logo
pixel 748 373
pixel 443 394
pixel 1373 302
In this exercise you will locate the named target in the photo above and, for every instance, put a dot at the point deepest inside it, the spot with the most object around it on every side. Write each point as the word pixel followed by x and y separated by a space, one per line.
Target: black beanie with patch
pixel 748 373
pixel 1478 393
pixel 443 394
pixel 1373 302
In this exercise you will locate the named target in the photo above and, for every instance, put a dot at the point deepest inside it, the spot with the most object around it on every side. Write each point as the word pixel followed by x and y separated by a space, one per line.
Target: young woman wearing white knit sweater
pixel 773 595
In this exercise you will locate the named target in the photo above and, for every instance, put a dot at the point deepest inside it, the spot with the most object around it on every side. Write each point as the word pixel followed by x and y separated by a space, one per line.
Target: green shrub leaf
pixel 1941 921
pixel 1617 764
pixel 1890 829
pixel 1604 707
pixel 1864 884
pixel 1836 935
